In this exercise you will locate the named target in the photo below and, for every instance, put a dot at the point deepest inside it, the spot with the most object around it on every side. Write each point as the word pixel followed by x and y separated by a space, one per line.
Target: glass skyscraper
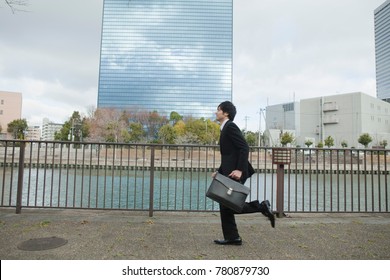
pixel 166 55
pixel 382 50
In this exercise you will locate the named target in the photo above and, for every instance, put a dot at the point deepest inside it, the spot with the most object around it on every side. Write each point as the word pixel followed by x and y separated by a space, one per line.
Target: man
pixel 234 164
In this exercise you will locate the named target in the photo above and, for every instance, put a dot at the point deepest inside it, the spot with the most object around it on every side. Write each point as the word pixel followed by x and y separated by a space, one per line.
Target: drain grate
pixel 40 244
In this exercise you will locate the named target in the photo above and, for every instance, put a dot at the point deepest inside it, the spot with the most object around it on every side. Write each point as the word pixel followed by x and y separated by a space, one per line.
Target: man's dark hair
pixel 229 108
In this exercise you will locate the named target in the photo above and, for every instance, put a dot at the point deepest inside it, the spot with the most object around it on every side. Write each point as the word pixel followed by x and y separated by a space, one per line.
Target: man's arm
pixel 242 148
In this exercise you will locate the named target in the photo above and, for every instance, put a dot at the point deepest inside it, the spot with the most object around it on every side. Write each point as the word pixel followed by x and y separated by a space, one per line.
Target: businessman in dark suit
pixel 234 164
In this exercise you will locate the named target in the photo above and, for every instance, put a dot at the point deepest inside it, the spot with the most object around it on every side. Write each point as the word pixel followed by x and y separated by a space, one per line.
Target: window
pixel 288 107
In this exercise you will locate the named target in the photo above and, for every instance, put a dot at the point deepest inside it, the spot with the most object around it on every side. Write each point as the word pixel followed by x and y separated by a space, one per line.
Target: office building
pixel 344 117
pixel 382 50
pixel 10 110
pixel 166 55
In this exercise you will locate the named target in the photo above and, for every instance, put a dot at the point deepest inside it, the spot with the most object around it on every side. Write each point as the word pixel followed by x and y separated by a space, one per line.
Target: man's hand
pixel 235 174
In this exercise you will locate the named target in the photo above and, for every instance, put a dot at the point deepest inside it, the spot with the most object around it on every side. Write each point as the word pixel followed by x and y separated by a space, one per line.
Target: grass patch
pixel 44 223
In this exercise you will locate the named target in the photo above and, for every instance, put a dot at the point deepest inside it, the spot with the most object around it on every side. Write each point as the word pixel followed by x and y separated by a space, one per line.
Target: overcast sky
pixel 283 50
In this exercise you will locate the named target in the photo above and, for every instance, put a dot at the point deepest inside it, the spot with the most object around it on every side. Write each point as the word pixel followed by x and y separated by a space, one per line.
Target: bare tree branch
pixel 14 4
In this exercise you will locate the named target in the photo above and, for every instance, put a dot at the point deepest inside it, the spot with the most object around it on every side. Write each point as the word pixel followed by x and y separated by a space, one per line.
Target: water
pixel 130 189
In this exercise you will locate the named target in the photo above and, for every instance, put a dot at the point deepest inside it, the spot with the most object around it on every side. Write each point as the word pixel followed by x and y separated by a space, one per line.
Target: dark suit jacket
pixel 234 152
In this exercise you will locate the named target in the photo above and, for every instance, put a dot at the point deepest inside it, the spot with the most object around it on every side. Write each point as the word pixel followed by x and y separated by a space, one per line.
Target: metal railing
pixel 176 177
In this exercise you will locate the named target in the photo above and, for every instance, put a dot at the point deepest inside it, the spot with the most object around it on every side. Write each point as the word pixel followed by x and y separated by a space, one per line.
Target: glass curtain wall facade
pixel 166 55
pixel 382 50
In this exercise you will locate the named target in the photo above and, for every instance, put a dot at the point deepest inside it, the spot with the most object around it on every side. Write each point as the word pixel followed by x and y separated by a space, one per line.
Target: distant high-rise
pixel 166 55
pixel 382 50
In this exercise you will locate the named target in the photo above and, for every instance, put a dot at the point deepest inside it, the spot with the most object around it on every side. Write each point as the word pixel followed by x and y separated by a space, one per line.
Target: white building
pixel 49 129
pixel 344 117
pixel 282 118
pixel 33 133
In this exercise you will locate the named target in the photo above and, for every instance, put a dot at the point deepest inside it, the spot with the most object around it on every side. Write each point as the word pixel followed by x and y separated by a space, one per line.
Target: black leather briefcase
pixel 228 192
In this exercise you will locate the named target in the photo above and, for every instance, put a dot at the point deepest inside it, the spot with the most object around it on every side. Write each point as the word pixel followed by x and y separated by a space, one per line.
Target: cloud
pixel 292 50
pixel 282 49
pixel 51 55
pixel 43 99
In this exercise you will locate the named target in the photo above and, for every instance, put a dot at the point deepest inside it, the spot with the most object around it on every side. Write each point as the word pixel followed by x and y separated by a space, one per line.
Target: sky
pixel 283 51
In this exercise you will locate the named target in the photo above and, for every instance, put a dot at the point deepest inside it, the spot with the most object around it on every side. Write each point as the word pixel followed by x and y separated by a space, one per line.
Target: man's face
pixel 220 115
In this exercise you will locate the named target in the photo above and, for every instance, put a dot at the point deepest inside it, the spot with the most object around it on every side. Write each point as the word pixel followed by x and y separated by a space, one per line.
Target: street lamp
pixel 71 136
pixel 71 132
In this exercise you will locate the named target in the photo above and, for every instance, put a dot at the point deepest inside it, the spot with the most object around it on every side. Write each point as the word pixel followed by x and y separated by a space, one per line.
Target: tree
pixel 383 143
pixel 174 117
pixel 187 138
pixel 17 128
pixel 205 130
pixel 180 128
pixel 286 138
pixel 167 134
pixel 156 121
pixel 251 138
pixel 195 126
pixel 136 133
pixel 344 144
pixel 212 132
pixel 329 141
pixel 308 143
pixel 75 129
pixel 109 125
pixel 133 134
pixel 365 139
pixel 15 5
pixel 150 121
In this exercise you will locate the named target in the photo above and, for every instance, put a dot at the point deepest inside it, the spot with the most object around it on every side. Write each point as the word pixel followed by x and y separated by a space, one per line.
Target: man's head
pixel 228 108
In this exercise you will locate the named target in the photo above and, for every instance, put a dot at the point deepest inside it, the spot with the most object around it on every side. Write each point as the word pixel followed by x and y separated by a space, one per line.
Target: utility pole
pixel 246 123
pixel 265 121
pixel 260 112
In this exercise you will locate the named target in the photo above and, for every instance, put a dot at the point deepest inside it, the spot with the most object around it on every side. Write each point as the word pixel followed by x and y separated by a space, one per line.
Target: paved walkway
pixel 124 235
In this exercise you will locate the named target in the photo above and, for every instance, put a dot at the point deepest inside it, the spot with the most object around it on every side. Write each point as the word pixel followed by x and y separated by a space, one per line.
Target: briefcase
pixel 228 192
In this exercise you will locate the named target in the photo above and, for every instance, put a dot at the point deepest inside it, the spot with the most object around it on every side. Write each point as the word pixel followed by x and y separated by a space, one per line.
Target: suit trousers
pixel 228 221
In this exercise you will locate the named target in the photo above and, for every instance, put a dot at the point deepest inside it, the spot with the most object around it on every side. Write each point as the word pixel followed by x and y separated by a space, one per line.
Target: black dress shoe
pixel 266 211
pixel 237 241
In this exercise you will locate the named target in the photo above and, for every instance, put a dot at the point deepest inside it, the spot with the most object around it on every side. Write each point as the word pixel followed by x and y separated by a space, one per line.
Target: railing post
pixel 280 190
pixel 151 189
pixel 19 193
pixel 280 156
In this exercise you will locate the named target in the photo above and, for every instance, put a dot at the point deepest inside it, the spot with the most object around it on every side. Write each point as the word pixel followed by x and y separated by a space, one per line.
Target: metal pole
pixel 280 190
pixel 20 178
pixel 259 128
pixel 151 193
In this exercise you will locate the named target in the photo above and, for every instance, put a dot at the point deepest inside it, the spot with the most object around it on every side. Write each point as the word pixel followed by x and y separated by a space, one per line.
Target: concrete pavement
pixel 127 235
